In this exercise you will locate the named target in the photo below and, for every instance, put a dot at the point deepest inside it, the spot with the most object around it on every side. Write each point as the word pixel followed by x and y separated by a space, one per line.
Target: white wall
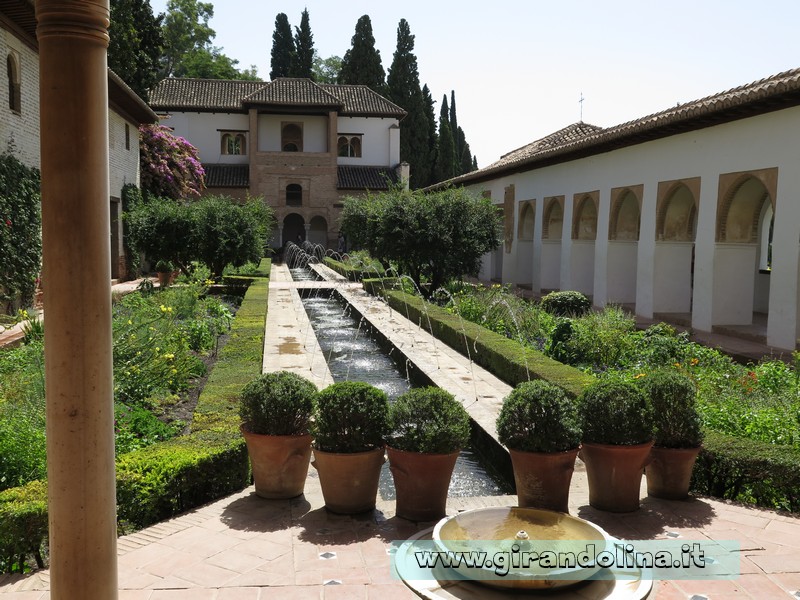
pixel 123 162
pixel 204 132
pixel 315 132
pixel 767 141
pixel 19 133
pixel 377 141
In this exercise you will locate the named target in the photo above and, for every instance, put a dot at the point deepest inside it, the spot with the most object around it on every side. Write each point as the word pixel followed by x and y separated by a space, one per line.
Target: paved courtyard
pixel 245 547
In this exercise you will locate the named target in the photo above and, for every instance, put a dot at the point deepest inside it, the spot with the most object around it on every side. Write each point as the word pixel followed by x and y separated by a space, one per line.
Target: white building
pixel 690 215
pixel 19 115
pixel 300 145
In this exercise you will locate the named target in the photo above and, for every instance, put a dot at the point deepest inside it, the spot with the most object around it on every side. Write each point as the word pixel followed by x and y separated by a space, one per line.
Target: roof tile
pixel 371 178
pixel 234 95
pixel 227 175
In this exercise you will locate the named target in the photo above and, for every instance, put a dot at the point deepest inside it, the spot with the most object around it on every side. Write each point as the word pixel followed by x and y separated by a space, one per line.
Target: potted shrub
pixel 276 411
pixel 540 425
pixel 164 269
pixel 349 432
pixel 617 437
pixel 428 427
pixel 678 435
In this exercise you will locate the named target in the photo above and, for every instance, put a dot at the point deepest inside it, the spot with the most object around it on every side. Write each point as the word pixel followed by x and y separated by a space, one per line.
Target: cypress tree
pixel 361 64
pixel 404 90
pixel 283 49
pixel 453 117
pixel 304 48
pixel 430 116
pixel 445 156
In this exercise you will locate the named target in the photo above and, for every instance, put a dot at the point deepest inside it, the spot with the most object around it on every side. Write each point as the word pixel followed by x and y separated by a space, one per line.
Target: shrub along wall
pixel 728 467
pixel 162 480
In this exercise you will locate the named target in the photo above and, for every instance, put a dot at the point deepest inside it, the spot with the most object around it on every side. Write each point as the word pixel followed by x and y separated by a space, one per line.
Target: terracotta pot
pixel 543 478
pixel 349 481
pixel 670 472
pixel 279 463
pixel 615 474
pixel 164 278
pixel 421 482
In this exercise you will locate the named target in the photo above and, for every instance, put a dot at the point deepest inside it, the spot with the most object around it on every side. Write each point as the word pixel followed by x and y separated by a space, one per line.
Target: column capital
pixel 84 18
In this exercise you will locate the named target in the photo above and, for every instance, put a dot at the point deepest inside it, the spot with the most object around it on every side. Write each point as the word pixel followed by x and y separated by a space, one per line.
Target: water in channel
pixel 354 353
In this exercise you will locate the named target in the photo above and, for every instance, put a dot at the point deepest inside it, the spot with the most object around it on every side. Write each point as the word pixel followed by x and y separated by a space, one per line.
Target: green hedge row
pixel 168 478
pixel 748 471
pixel 348 271
pixel 505 358
pixel 733 468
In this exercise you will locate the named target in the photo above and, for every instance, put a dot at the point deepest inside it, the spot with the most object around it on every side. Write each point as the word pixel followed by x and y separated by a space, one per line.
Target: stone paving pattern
pixel 244 547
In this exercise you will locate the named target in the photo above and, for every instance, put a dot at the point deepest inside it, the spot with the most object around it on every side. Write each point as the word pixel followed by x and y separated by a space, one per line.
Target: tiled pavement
pixel 244 547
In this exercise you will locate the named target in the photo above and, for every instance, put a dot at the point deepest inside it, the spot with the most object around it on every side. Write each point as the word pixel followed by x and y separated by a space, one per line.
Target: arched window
pixel 349 145
pixel 14 87
pixel 233 144
pixel 292 137
pixel 294 195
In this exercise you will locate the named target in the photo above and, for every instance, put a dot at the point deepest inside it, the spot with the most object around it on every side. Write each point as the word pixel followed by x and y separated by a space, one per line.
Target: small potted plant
pixel 349 431
pixel 541 427
pixel 276 411
pixel 617 438
pixel 678 435
pixel 164 269
pixel 428 428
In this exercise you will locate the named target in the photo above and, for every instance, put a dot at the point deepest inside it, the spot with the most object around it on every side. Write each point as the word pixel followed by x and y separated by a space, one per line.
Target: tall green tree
pixel 303 64
pixel 283 48
pixel 430 117
pixel 404 90
pixel 362 64
pixel 453 117
pixel 445 167
pixel 326 70
pixel 135 45
pixel 188 51
pixel 436 236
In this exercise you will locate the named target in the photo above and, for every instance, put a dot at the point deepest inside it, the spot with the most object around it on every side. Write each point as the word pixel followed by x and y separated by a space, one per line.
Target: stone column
pixel 73 38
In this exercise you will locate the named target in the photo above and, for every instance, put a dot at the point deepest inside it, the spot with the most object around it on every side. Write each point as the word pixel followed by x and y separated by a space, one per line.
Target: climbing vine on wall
pixel 170 166
pixel 20 232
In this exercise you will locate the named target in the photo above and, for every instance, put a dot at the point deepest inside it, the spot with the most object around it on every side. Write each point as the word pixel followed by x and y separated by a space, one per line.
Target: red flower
pixel 8 222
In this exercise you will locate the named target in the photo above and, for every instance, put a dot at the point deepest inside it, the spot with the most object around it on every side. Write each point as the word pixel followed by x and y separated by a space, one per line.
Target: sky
pixel 520 67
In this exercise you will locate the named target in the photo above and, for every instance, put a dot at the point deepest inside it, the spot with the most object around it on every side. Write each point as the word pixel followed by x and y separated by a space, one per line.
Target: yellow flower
pixel 174 371
pixel 639 376
pixel 130 322
pixel 678 365
pixel 163 308
pixel 695 361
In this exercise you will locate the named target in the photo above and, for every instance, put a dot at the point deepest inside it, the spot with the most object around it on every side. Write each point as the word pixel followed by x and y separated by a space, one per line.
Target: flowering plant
pixel 170 166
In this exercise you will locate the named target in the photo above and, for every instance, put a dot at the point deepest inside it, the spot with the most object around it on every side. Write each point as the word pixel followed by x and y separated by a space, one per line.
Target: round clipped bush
pixel 677 422
pixel 616 413
pixel 279 403
pixel 566 304
pixel 428 420
pixel 538 416
pixel 352 416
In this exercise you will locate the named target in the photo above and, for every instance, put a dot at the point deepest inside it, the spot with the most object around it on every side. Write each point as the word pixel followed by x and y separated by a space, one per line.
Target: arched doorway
pixel 673 271
pixel 744 223
pixel 584 234
pixel 294 229
pixel 318 232
pixel 623 245
pixel 527 224
pixel 552 228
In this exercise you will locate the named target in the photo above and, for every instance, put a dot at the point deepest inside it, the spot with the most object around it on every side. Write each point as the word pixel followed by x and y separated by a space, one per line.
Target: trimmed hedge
pixel 170 477
pixel 504 357
pixel 347 271
pixel 23 524
pixel 748 471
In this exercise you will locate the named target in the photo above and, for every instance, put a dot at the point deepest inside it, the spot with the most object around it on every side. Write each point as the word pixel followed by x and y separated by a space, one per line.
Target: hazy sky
pixel 519 67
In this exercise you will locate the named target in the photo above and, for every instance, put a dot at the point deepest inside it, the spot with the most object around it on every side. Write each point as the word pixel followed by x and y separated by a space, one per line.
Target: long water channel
pixel 354 352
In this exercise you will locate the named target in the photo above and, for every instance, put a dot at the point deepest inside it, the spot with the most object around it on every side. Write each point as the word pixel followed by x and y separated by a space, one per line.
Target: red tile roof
pixel 218 95
pixel 580 139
